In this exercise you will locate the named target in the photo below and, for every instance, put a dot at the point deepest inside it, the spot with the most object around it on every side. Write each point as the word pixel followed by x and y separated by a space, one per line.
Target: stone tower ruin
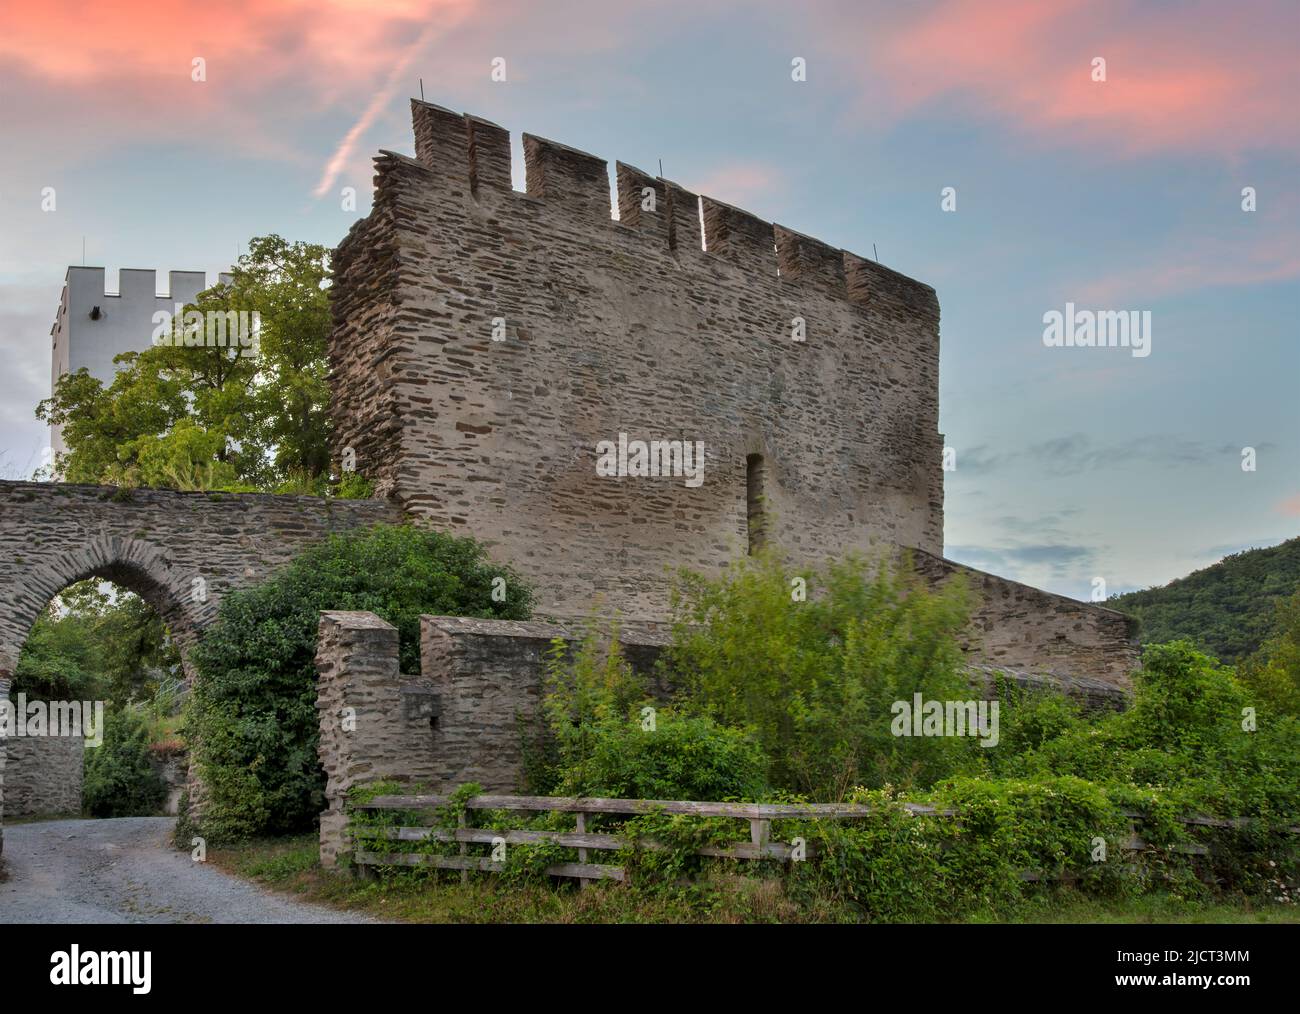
pixel 489 342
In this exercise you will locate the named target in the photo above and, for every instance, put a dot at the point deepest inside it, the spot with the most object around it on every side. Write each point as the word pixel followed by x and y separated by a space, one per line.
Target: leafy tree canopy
pixel 89 644
pixel 1227 609
pixel 190 415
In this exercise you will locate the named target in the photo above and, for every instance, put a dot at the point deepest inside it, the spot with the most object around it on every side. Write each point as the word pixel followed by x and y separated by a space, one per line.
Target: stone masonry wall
pixel 157 543
pixel 458 722
pixel 1018 628
pixel 370 729
pixel 464 718
pixel 624 326
pixel 4 695
pixel 43 775
pixel 490 673
pixel 672 322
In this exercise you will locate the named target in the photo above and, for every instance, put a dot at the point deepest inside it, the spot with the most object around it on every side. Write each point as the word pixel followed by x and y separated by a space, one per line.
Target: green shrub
pixel 251 719
pixel 1027 719
pixel 354 486
pixel 1184 725
pixel 1273 672
pixel 814 678
pixel 603 735
pixel 682 758
pixel 119 781
pixel 896 867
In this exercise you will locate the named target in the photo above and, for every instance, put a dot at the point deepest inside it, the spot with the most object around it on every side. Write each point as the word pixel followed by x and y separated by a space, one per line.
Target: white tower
pixel 93 325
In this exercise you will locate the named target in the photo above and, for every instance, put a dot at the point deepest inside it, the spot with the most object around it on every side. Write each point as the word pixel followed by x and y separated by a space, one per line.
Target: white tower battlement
pixel 93 325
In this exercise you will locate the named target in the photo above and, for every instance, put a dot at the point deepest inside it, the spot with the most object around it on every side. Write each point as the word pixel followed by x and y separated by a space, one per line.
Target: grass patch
pixel 1066 906
pixel 42 818
pixel 291 865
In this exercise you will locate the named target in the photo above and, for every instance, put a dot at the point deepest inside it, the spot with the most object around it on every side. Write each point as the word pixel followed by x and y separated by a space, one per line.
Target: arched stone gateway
pixel 180 552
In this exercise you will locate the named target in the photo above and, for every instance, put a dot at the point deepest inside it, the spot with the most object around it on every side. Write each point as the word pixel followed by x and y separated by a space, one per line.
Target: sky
pixel 172 132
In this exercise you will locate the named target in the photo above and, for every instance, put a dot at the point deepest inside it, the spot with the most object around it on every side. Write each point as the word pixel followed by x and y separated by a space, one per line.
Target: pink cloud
pixel 740 183
pixel 1195 76
pixel 123 72
pixel 1290 506
pixel 1191 263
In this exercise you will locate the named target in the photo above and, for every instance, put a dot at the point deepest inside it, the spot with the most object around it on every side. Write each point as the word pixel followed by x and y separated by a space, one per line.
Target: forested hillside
pixel 1226 609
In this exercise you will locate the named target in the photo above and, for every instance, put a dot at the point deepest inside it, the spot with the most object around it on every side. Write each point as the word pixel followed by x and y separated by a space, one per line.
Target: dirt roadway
pixel 125 870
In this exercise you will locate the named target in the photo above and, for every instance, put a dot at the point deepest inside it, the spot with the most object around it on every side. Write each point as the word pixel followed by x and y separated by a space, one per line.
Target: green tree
pixel 1273 672
pixel 191 415
pixel 119 780
pixel 251 718
pixel 814 678
pixel 88 644
pixel 1227 609
pixel 59 660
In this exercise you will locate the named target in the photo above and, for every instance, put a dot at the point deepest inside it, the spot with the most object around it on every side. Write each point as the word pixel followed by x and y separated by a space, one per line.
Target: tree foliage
pixel 251 719
pixel 91 645
pixel 192 416
pixel 1273 672
pixel 1227 609
pixel 119 780
pixel 604 735
pixel 810 677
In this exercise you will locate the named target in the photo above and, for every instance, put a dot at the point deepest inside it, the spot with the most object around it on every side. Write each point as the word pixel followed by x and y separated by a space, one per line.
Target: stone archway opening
pixel 108 643
pixel 181 600
pixel 180 552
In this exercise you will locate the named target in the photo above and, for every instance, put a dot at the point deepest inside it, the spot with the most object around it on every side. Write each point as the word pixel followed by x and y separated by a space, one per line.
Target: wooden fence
pixel 758 815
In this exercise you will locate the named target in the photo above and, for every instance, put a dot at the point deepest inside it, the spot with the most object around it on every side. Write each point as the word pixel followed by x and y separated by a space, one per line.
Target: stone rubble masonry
pixel 673 322
pixel 152 542
pixel 4 694
pixel 155 543
pixel 465 717
pixel 173 768
pixel 43 775
pixel 1015 627
pixel 458 722
pixel 489 674
pixel 629 326
pixel 364 734
pixel 622 326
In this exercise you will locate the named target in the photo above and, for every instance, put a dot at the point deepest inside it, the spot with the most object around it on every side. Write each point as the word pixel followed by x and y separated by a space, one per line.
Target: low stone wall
pixel 457 722
pixel 1021 629
pixel 460 720
pixel 4 695
pixel 43 775
pixel 488 674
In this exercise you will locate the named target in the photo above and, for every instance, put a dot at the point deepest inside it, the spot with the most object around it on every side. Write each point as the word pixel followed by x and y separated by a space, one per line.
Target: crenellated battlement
pixel 487 340
pixel 135 283
pixel 471 156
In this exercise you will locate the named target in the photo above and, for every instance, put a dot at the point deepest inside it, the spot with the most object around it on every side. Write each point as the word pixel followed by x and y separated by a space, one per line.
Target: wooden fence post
pixel 461 821
pixel 581 828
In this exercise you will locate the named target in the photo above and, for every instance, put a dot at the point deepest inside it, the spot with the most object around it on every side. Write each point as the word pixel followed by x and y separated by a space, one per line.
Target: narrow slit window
pixel 755 502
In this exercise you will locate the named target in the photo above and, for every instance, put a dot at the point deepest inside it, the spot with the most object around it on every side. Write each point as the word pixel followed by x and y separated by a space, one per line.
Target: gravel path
pixel 125 870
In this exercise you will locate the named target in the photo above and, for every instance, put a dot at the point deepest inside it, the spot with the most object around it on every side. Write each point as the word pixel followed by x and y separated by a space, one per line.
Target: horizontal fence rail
pixel 759 847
